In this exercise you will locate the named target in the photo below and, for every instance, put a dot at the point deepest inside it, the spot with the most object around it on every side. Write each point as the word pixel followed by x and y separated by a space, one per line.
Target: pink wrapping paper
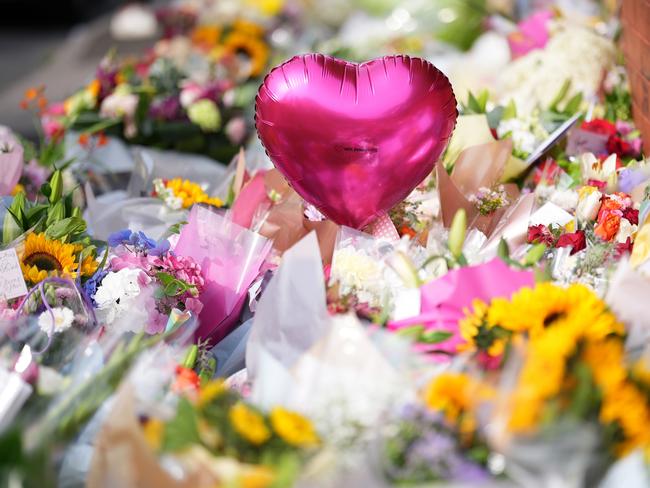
pixel 230 257
pixel 11 162
pixel 444 300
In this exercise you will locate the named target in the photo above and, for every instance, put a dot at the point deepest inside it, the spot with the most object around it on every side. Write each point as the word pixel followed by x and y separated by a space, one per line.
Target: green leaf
pixel 435 336
pixel 573 105
pixel 564 89
pixel 412 332
pixel 102 125
pixel 181 431
pixel 534 254
pixel 55 213
pixel 473 104
pixel 190 356
pixel 66 227
pixel 503 250
pixel 13 225
pixel 46 189
pixel 208 370
pixel 483 100
pixel 510 111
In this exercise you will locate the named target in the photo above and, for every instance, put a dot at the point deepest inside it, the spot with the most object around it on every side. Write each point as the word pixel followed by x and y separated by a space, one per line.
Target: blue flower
pixel 162 247
pixel 90 287
pixel 119 237
pixel 141 241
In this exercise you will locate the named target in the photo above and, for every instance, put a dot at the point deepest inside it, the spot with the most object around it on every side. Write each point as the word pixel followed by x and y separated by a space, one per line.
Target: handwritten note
pixel 12 283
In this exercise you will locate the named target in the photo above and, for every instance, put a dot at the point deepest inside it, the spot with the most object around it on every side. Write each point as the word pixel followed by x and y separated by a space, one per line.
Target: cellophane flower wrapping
pixel 231 258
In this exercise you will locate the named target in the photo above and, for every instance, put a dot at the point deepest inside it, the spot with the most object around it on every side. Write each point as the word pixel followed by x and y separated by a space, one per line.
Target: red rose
pixel 599 126
pixel 619 146
pixel 632 215
pixel 547 172
pixel 574 239
pixel 539 234
pixel 624 247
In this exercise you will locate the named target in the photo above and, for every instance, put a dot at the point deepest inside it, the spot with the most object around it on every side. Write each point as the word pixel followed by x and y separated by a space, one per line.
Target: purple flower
pixel 628 179
pixel 35 173
pixel 166 109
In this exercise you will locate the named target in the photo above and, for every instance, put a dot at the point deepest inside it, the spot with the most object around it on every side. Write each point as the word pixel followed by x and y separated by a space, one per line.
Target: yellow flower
pixel 253 47
pixel 267 7
pixel 190 193
pixel 206 36
pixel 257 477
pixel 211 391
pixel 153 432
pixel 532 310
pixel 17 189
pixel 249 28
pixel 293 428
pixel 450 393
pixel 249 424
pixel 43 257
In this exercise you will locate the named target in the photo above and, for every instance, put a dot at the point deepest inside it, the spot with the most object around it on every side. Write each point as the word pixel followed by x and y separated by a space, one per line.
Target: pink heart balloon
pixel 355 139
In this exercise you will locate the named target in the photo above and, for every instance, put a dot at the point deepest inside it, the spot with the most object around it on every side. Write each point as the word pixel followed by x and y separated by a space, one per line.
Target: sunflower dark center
pixel 43 261
pixel 552 318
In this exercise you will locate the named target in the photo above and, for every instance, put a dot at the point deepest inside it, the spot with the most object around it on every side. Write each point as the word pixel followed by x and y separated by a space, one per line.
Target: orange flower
pixel 102 140
pixel 32 93
pixel 94 87
pixel 84 140
pixel 206 36
pixel 608 225
pixel 33 97
pixel 187 381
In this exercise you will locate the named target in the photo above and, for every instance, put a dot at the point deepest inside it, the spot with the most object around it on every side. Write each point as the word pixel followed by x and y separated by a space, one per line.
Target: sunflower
pixel 293 428
pixel 43 257
pixel 533 310
pixel 253 47
pixel 249 424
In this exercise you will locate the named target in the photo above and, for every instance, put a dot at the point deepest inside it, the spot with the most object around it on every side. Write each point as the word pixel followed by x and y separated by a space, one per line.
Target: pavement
pixel 61 58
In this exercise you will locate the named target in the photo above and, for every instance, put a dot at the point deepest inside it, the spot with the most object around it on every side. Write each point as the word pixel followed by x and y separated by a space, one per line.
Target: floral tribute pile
pixel 203 325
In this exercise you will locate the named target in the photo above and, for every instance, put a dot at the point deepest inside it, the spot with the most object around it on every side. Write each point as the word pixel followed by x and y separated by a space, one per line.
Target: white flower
pixel 594 169
pixel 625 230
pixel 121 104
pixel 358 273
pixel 566 199
pixel 588 206
pixel 63 318
pixel 117 293
pixel 526 133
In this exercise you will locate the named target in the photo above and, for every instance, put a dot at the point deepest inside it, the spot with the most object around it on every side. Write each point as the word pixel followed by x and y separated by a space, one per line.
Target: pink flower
pixel 532 34
pixel 52 128
pixel 157 321
pixel 193 305
pixel 181 267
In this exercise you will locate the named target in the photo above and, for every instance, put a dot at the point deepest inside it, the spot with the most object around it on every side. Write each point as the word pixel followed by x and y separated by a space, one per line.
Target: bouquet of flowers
pixel 144 277
pixel 187 93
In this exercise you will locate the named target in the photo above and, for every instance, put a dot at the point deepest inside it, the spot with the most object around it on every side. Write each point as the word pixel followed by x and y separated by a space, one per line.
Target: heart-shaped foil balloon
pixel 355 139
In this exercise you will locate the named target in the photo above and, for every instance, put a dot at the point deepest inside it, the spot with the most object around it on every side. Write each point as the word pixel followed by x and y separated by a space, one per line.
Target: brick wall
pixel 635 17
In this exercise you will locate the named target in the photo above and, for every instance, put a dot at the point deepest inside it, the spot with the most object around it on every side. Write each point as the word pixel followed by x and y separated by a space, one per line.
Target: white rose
pixel 625 230
pixel 588 206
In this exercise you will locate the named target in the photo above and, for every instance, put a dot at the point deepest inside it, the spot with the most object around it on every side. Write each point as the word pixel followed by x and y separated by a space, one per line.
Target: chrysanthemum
pixel 43 257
